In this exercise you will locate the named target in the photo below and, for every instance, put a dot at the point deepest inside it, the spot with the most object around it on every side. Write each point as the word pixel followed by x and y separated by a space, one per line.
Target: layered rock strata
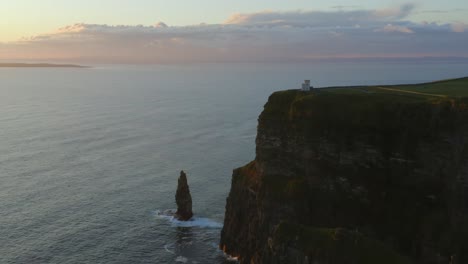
pixel 353 178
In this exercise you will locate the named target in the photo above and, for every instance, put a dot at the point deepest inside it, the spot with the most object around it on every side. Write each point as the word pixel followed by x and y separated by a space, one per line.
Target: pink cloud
pixel 261 36
pixel 395 28
pixel 459 27
pixel 396 12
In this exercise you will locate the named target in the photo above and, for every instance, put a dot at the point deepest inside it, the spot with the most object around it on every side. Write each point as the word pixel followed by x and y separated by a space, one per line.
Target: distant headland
pixel 39 65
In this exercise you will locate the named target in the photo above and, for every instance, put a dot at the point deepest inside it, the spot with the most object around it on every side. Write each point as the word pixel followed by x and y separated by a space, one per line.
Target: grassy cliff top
pixel 454 88
pixel 346 101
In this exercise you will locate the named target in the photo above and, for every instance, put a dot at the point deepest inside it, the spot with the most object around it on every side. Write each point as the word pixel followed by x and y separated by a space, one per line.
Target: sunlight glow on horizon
pixel 26 18
pixel 120 31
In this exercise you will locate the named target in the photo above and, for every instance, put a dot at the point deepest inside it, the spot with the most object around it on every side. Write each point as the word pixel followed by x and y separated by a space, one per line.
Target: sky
pixel 160 31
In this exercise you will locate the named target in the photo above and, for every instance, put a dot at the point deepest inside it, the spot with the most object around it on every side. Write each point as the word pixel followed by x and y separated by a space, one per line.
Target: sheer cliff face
pixel 353 179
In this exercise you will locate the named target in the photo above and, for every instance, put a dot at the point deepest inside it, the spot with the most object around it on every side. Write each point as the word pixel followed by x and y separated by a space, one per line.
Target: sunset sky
pixel 152 31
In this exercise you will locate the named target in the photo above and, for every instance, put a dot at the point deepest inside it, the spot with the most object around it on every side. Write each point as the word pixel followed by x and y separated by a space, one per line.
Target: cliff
pixel 355 175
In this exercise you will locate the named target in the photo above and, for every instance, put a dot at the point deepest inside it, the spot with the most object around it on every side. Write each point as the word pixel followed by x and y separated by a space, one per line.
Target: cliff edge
pixel 355 175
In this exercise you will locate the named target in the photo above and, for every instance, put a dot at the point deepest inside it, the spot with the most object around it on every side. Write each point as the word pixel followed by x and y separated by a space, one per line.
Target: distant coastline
pixel 39 65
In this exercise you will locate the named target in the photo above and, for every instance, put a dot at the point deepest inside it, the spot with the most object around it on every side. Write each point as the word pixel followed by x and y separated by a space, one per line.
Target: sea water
pixel 89 158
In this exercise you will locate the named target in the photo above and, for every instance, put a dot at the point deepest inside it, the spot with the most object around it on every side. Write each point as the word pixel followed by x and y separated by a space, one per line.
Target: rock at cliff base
pixel 183 199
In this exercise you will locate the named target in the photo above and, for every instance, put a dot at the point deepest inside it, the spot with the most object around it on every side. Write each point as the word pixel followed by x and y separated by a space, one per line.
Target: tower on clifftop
pixel 306 86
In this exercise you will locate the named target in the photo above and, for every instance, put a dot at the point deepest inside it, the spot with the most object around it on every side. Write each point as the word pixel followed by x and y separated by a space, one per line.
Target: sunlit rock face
pixel 183 199
pixel 353 179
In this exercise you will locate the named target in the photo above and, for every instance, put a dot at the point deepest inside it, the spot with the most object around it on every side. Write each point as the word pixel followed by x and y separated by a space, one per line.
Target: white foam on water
pixel 231 258
pixel 165 214
pixel 197 222
pixel 166 247
pixel 193 222
pixel 181 259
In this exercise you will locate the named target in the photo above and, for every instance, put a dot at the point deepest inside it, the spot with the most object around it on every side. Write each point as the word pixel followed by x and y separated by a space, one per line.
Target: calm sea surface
pixel 89 156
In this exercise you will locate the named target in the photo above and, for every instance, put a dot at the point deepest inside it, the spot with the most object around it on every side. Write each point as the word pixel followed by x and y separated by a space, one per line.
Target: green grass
pixel 455 88
pixel 450 88
pixel 352 104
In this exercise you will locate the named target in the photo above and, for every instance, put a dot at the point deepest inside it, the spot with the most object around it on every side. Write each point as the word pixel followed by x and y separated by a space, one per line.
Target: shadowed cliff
pixel 355 175
pixel 183 199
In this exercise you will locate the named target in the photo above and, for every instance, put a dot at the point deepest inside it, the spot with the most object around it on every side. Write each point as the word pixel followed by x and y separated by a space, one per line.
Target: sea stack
pixel 183 199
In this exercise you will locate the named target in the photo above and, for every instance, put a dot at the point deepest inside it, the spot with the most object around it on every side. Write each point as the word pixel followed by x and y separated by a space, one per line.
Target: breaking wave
pixel 181 259
pixel 193 222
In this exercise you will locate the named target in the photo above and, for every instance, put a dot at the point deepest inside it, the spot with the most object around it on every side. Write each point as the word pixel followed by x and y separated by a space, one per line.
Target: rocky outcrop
pixel 353 179
pixel 183 199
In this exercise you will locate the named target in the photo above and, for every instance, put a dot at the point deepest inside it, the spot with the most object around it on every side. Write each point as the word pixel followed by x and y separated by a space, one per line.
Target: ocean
pixel 88 157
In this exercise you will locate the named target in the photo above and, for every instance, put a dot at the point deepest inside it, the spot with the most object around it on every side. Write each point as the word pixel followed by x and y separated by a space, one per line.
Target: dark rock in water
pixel 183 199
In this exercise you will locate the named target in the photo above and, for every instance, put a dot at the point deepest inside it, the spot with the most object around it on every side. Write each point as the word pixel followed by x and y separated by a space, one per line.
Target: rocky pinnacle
pixel 183 199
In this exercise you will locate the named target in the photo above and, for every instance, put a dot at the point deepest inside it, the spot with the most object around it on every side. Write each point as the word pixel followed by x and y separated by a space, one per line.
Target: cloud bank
pixel 263 36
